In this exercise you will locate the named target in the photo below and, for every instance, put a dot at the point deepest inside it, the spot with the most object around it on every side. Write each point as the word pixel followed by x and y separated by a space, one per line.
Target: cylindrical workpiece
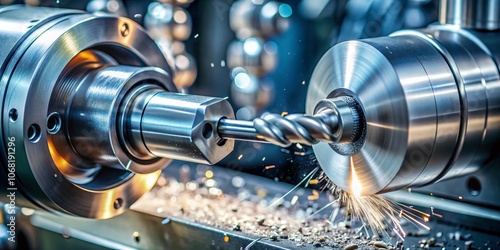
pixel 431 101
pixel 183 127
pixel 476 14
pixel 42 50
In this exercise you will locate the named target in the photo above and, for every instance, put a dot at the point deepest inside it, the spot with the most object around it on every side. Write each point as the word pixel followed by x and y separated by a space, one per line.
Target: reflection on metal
pixel 94 115
pixel 476 14
pixel 118 233
pixel 430 98
pixel 48 223
pixel 39 86
pixel 441 204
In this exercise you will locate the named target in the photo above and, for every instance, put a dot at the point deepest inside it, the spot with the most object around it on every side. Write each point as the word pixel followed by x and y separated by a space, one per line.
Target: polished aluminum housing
pixel 431 100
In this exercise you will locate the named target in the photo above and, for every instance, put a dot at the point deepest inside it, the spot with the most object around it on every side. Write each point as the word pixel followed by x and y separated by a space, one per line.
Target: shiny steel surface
pixel 93 113
pixel 336 120
pixel 399 104
pixel 476 14
pixel 238 129
pixel 294 128
pixel 430 99
pixel 97 113
pixel 38 47
pixel 282 131
pixel 478 81
pixel 95 99
pixel 183 127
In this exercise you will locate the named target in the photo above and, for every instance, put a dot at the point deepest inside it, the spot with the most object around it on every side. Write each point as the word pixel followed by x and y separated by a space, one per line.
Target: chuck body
pixel 90 115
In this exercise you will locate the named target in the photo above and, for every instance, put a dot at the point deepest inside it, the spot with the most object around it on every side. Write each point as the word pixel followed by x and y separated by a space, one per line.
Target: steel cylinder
pixel 476 14
pixel 64 74
pixel 90 115
pixel 431 101
pixel 179 126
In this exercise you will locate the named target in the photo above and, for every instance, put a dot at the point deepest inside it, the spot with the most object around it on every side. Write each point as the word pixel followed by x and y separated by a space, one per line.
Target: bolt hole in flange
pixel 124 30
pixel 53 123
pixel 118 203
pixel 34 133
pixel 207 130
pixel 13 115
pixel 474 186
pixel 137 237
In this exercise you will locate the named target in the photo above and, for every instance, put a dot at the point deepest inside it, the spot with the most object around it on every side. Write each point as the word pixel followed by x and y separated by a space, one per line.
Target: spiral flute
pixel 333 122
pixel 295 128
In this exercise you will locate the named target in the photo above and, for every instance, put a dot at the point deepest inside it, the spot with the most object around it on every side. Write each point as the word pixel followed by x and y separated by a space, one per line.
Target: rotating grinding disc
pixel 396 93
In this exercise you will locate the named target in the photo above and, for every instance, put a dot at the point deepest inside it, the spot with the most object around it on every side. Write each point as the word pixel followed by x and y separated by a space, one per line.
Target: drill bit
pixel 336 120
pixel 282 131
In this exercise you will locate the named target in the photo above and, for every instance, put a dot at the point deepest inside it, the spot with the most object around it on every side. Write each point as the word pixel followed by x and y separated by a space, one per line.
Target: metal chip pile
pixel 249 214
